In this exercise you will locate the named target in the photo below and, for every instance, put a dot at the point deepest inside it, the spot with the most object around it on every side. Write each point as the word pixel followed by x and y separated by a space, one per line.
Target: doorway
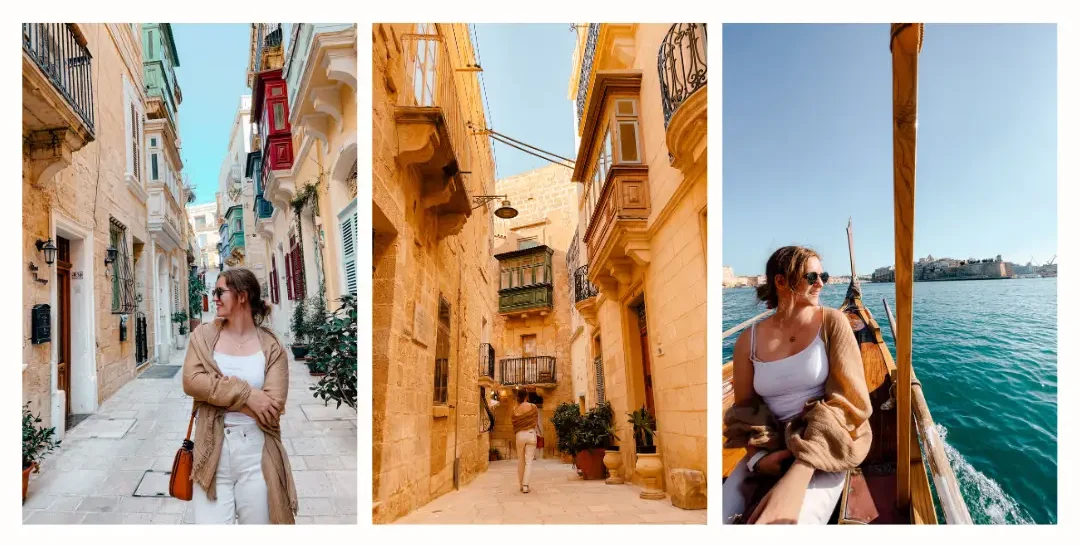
pixel 63 323
pixel 646 364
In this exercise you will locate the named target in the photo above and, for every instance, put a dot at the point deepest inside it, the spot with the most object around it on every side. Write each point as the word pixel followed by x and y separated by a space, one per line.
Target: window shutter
pixel 348 247
pixel 298 273
pixel 273 280
pixel 134 142
pixel 289 276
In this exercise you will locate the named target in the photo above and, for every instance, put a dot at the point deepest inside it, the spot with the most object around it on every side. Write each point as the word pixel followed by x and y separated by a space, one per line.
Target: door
pixel 646 364
pixel 63 320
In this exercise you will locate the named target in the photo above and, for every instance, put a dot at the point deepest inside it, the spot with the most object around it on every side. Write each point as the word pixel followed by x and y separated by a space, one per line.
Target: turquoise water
pixel 986 354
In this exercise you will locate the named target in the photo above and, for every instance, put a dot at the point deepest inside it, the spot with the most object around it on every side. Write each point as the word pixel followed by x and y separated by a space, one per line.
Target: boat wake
pixel 986 501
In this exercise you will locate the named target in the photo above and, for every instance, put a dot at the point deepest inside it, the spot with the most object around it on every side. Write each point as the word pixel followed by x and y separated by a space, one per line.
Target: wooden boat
pixel 892 486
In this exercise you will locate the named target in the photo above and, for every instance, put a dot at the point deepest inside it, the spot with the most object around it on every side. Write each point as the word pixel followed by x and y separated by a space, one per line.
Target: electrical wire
pixel 500 140
pixel 483 90
pixel 494 132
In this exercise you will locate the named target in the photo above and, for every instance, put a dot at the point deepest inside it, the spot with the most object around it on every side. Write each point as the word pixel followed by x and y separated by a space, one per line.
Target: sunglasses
pixel 812 278
pixel 216 292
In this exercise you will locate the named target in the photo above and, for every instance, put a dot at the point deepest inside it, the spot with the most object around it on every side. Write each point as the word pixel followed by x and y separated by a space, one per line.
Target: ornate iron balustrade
pixel 583 289
pixel 487 417
pixel 530 370
pixel 682 65
pixel 586 68
pixel 487 361
pixel 65 60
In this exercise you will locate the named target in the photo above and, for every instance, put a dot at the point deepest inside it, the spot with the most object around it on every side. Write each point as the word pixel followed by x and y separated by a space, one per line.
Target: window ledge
pixel 136 187
pixel 440 411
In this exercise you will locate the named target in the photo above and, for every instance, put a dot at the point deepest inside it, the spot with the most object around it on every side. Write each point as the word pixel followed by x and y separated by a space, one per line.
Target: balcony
pixel 486 368
pixel 58 96
pixel 431 131
pixel 525 281
pixel 164 217
pixel 531 371
pixel 236 240
pixel 585 294
pixel 681 62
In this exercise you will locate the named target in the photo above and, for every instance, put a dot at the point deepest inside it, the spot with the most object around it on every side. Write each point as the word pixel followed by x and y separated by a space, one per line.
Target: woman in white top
pixel 241 489
pixel 783 360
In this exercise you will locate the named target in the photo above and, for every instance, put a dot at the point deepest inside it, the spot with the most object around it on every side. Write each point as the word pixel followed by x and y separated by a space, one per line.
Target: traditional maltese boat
pixel 892 485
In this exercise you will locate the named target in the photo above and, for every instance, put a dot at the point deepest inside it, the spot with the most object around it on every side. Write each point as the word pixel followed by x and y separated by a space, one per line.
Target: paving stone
pixel 104 518
pixel 100 504
pixel 53 517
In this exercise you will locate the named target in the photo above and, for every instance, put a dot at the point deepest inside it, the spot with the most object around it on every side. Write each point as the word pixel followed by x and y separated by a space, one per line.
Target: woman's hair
pixel 521 396
pixel 242 280
pixel 789 262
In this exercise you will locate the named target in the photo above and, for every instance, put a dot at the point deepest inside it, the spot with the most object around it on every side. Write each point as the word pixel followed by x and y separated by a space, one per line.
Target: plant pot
pixel 493 456
pixel 26 479
pixel 651 469
pixel 613 462
pixel 591 463
pixel 299 351
pixel 313 371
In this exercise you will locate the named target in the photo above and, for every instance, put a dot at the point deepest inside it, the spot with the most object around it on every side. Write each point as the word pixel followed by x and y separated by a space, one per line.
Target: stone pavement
pixel 99 475
pixel 557 496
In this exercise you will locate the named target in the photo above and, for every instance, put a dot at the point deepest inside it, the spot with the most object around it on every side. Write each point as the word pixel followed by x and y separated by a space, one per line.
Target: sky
pixel 808 142
pixel 526 76
pixel 212 76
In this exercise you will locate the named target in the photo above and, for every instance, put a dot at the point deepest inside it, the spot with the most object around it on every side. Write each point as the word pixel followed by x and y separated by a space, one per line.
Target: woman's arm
pixel 207 386
pixel 276 383
pixel 743 371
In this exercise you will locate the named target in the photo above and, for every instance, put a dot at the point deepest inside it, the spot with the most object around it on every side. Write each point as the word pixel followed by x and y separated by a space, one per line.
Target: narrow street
pixel 112 467
pixel 558 496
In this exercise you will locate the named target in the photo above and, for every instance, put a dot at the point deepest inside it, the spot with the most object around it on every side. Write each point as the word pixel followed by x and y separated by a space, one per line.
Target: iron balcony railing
pixel 263 208
pixel 267 35
pixel 487 361
pixel 682 66
pixel 583 289
pixel 487 417
pixel 529 370
pixel 586 68
pixel 62 55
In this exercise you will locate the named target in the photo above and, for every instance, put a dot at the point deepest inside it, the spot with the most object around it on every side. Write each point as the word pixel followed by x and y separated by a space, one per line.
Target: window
pixel 135 126
pixel 279 116
pixel 153 142
pixel 347 220
pixel 200 222
pixel 295 268
pixel 150 44
pixel 274 297
pixel 528 242
pixel 123 283
pixel 528 346
pixel 442 354
pixel 202 241
pixel 153 166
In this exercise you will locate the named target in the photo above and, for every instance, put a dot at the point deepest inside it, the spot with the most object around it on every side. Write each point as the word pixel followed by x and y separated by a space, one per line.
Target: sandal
pixel 525 489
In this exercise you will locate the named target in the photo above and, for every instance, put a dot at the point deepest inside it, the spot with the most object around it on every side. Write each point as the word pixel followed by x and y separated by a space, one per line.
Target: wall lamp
pixel 110 255
pixel 49 250
pixel 505 211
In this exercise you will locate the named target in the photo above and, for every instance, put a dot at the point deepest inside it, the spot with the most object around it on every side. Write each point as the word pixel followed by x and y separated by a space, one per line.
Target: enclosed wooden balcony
pixel 58 96
pixel 431 131
pixel 525 281
pixel 681 62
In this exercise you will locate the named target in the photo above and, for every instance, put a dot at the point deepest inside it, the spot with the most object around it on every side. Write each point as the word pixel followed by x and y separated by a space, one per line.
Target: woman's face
pixel 806 292
pixel 225 298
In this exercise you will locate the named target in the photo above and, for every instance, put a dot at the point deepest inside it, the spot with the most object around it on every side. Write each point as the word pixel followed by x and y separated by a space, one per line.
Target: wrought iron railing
pixel 429 83
pixel 583 289
pixel 263 208
pixel 487 361
pixel 682 65
pixel 267 35
pixel 65 60
pixel 530 370
pixel 586 68
pixel 487 417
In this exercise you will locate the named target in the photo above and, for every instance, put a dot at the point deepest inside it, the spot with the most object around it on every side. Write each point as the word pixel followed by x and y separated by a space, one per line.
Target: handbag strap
pixel 191 423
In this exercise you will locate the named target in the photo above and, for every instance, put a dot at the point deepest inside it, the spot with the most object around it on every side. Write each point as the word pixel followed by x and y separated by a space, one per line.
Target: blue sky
pixel 213 77
pixel 527 73
pixel 808 142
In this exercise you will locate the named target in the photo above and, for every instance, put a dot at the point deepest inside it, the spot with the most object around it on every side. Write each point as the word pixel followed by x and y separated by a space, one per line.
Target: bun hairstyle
pixel 521 396
pixel 243 281
pixel 789 262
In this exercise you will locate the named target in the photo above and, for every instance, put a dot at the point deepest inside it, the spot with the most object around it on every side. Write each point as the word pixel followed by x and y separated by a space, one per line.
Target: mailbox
pixel 40 324
pixel 123 327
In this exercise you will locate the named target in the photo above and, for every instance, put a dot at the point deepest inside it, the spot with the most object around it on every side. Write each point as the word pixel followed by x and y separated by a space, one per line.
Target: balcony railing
pixel 263 208
pixel 586 68
pixel 583 289
pixel 530 370
pixel 682 65
pixel 65 60
pixel 487 361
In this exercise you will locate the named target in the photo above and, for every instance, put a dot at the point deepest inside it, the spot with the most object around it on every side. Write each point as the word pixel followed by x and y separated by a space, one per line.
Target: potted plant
pixel 649 465
pixel 590 438
pixel 299 331
pixel 315 318
pixel 566 419
pixel 335 352
pixel 37 442
pixel 493 454
pixel 612 457
pixel 180 318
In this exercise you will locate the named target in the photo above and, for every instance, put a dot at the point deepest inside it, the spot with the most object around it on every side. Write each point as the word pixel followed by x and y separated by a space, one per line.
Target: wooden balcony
pixel 525 282
pixel 617 236
pixel 58 96
pixel 539 371
pixel 431 132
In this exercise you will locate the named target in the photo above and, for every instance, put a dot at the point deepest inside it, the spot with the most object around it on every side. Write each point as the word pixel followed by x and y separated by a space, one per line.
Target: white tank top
pixel 788 383
pixel 250 369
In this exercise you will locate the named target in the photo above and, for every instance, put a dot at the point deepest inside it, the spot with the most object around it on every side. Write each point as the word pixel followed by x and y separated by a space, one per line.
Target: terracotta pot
pixel 613 462
pixel 651 468
pixel 591 463
pixel 26 479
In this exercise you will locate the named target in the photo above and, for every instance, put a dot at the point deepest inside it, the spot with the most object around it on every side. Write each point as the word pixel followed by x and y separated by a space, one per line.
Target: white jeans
pixel 526 450
pixel 241 488
pixel 822 495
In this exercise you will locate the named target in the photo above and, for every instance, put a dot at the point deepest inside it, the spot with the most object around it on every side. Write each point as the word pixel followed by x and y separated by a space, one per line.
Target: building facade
pixel 640 101
pixel 93 215
pixel 204 224
pixel 435 283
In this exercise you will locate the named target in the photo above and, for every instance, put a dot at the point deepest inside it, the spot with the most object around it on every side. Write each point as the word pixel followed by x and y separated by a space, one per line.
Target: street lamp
pixel 110 255
pixel 505 211
pixel 49 249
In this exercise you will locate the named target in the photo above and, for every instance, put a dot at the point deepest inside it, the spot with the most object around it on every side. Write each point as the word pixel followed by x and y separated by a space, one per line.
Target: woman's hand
pixel 784 502
pixel 266 408
pixel 772 464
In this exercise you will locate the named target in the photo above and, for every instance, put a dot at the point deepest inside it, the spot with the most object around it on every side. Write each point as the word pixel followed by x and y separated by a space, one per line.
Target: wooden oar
pixel 948 488
pixel 905 44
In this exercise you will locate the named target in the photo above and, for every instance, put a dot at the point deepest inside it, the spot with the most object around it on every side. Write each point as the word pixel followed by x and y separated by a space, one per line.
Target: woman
pixel 526 429
pixel 238 374
pixel 801 404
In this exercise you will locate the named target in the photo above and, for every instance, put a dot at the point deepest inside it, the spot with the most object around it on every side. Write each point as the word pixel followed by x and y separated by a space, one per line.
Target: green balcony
pixel 525 281
pixel 236 240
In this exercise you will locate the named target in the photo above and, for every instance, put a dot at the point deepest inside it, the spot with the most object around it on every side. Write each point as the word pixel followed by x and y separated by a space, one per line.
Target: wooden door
pixel 646 365
pixel 63 320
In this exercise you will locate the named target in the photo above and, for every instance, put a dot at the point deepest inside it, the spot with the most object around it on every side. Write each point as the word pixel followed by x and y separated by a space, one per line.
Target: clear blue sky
pixel 213 77
pixel 808 142
pixel 526 73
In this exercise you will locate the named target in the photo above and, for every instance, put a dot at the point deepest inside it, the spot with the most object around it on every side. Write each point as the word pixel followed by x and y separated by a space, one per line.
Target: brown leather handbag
pixel 180 484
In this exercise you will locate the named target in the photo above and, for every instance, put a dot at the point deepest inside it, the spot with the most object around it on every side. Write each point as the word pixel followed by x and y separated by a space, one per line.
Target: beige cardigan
pixel 216 394
pixel 832 433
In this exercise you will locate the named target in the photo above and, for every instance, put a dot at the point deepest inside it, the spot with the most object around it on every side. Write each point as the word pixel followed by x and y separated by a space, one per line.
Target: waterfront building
pixel 729 277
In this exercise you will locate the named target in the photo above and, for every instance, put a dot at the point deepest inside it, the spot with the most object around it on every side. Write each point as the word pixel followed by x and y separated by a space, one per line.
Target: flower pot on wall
pixel 650 467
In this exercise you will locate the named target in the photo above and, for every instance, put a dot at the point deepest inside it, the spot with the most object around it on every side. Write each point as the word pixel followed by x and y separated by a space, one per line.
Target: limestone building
pixel 203 220
pixel 640 101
